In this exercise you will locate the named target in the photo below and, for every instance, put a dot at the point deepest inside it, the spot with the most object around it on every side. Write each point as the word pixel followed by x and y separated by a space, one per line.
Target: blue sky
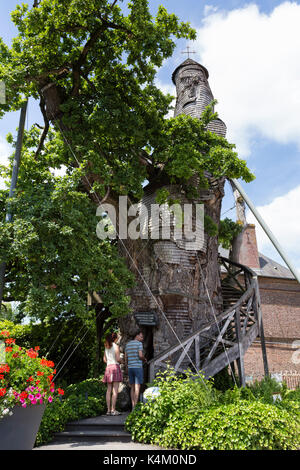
pixel 251 50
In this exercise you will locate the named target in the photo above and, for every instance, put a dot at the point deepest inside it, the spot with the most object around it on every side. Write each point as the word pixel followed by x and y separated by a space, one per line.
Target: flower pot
pixel 18 432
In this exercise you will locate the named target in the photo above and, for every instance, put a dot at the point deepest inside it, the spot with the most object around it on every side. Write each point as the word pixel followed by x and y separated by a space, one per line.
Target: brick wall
pixel 280 299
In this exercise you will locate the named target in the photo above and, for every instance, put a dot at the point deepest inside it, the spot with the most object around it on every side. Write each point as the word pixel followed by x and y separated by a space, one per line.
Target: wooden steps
pixel 224 339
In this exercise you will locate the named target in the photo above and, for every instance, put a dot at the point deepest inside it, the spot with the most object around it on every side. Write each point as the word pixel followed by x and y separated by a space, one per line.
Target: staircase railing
pixel 225 338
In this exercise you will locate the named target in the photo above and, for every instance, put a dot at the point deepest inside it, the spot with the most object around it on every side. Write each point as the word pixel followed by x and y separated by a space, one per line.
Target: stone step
pixel 94 427
pixel 99 428
pixel 97 434
pixel 102 420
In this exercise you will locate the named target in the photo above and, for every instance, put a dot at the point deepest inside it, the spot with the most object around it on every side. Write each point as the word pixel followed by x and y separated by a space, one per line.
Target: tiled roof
pixel 189 62
pixel 268 267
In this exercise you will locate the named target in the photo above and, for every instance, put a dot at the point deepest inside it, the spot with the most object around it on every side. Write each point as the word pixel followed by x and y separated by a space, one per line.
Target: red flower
pixel 37 348
pixel 1 377
pixel 2 392
pixel 10 341
pixel 30 379
pixel 24 395
pixel 4 368
pixel 5 333
pixel 15 355
pixel 60 391
pixel 8 349
pixel 46 363
pixel 37 382
pixel 39 373
pixel 50 377
pixel 32 354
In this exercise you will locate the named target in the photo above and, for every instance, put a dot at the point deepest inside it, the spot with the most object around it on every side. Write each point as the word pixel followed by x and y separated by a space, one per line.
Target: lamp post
pixel 13 184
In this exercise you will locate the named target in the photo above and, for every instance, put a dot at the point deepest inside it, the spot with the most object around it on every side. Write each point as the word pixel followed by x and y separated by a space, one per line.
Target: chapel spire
pixel 194 93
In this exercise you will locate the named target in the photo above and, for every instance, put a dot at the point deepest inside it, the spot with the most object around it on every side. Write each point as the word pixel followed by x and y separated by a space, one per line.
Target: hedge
pixel 190 414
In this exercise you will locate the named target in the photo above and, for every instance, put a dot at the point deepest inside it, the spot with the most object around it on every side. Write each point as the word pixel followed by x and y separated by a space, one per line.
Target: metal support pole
pixel 266 229
pixel 240 359
pixel 261 330
pixel 13 185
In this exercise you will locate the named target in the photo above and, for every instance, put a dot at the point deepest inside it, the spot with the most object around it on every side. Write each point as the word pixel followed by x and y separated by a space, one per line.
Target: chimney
pixel 248 252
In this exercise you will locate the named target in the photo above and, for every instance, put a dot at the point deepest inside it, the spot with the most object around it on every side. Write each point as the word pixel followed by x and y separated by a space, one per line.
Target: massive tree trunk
pixel 181 286
pixel 173 281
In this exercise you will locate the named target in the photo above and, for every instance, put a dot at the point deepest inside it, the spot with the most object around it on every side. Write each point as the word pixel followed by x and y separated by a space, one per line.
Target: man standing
pixel 134 358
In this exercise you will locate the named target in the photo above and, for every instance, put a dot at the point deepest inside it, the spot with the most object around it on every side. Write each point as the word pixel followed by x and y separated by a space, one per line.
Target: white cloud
pixel 254 66
pixel 208 9
pixel 282 217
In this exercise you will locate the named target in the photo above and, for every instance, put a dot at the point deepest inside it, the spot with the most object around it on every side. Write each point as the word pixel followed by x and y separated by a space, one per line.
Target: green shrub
pixel 223 380
pixel 266 388
pixel 178 395
pixel 21 333
pixel 235 395
pixel 191 414
pixel 82 400
pixel 90 387
pixel 238 426
pixel 293 395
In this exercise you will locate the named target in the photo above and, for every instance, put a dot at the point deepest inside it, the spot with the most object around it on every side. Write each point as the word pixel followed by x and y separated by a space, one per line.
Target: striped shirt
pixel 132 350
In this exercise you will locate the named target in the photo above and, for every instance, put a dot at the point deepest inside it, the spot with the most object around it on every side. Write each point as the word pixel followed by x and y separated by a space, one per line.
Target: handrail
pixel 243 339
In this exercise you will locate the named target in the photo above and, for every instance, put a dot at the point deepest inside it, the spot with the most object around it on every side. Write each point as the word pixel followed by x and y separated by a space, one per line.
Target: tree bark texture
pixel 170 282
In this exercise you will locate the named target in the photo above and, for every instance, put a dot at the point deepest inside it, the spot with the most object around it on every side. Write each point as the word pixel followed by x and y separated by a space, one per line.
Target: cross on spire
pixel 188 52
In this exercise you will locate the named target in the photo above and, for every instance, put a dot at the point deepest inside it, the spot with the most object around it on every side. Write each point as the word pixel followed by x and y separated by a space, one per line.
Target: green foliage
pixel 187 149
pixel 239 426
pixel 228 230
pixel 20 332
pixel 8 312
pixel 223 380
pixel 192 415
pixel 82 400
pixel 179 395
pixel 57 339
pixel 52 250
pixel 266 388
pixel 210 226
pixel 107 114
pixel 91 387
pixel 294 395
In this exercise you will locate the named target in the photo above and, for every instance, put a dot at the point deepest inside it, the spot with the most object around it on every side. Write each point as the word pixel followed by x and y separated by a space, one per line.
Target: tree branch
pixel 87 47
pixel 46 128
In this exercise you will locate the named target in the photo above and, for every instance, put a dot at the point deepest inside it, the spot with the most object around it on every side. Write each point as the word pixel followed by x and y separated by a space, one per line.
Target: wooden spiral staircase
pixel 227 337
